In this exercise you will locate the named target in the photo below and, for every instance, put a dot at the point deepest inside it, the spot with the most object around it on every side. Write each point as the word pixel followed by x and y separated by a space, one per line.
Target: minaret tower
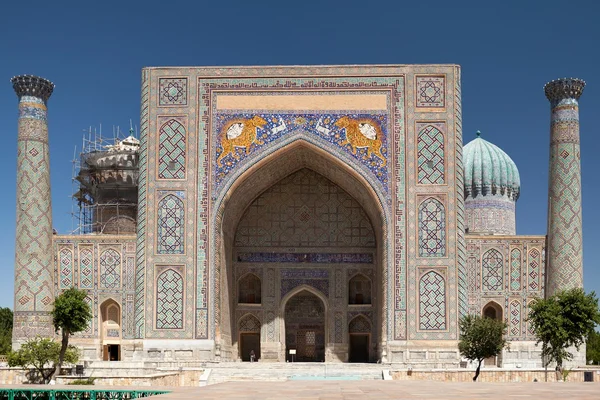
pixel 33 260
pixel 565 245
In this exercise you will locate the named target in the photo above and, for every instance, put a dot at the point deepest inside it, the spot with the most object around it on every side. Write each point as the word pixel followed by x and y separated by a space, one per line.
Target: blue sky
pixel 508 50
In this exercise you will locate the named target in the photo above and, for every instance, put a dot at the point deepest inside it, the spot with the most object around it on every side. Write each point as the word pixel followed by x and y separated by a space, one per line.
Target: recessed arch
pixel 249 289
pixel 110 329
pixel 493 310
pixel 237 194
pixel 359 289
pixel 300 338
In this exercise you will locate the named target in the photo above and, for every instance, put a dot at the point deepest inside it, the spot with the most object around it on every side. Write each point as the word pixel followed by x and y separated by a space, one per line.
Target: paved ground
pixel 362 390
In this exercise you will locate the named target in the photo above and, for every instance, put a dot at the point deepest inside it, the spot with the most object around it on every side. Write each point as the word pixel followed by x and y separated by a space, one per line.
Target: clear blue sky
pixel 94 51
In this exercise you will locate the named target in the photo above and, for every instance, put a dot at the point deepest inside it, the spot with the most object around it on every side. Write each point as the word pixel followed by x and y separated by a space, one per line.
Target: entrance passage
pixel 250 342
pixel 359 348
pixel 305 328
pixel 112 352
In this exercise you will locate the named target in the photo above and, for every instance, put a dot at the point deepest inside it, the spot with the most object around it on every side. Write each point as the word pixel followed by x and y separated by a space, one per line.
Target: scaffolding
pixel 105 184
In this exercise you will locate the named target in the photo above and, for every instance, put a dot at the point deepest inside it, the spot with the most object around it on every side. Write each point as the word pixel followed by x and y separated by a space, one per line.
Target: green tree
pixel 70 314
pixel 481 338
pixel 592 348
pixel 6 326
pixel 42 355
pixel 562 321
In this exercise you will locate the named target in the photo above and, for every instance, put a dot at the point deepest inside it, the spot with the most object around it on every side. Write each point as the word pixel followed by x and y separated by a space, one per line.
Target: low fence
pixel 74 394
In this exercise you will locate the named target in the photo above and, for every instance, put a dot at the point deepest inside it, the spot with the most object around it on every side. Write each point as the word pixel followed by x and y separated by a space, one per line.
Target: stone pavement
pixel 363 390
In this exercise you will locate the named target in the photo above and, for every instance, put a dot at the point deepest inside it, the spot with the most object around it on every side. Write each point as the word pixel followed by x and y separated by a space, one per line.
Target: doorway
pixel 305 327
pixel 250 342
pixel 111 352
pixel 359 348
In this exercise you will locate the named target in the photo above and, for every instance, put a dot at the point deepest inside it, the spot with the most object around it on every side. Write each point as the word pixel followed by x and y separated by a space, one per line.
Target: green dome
pixel 489 171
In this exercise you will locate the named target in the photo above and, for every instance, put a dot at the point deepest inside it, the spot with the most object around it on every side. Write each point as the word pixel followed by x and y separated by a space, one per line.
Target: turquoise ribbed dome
pixel 489 171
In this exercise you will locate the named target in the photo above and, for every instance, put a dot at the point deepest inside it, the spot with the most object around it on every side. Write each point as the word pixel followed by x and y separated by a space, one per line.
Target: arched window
pixel 249 290
pixel 432 302
pixel 493 310
pixel 110 269
pixel 359 324
pixel 492 274
pixel 359 290
pixel 430 154
pixel 171 215
pixel 432 228
pixel 169 300
pixel 171 151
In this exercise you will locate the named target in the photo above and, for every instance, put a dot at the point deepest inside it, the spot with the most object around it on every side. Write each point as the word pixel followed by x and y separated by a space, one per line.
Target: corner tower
pixel 565 245
pixel 33 260
pixel 492 187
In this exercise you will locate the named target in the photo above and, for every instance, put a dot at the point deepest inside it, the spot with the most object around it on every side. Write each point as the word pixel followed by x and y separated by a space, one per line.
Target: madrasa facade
pixel 311 213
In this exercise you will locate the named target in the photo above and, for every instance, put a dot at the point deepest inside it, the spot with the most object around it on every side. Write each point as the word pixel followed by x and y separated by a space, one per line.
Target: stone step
pixel 297 371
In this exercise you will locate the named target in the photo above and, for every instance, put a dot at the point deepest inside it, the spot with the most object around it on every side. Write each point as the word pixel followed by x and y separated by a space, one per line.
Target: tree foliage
pixel 592 348
pixel 481 338
pixel 42 355
pixel 6 326
pixel 70 314
pixel 562 321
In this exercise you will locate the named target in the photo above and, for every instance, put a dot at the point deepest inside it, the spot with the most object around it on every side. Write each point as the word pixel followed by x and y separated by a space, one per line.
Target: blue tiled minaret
pixel 565 245
pixel 33 260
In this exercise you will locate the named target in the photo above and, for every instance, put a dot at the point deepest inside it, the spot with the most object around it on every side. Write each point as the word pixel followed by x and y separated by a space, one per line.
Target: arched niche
pixel 110 313
pixel 255 179
pixel 359 290
pixel 249 289
pixel 492 310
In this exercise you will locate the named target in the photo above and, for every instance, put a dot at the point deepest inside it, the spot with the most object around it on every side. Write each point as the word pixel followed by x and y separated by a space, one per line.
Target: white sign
pixel 292 351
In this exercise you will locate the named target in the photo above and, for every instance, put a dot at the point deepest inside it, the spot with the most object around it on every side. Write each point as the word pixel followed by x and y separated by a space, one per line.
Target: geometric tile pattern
pixel 305 209
pixel 66 268
pixel 565 244
pixel 515 318
pixel 492 273
pixel 533 270
pixel 432 228
pixel 86 268
pixel 359 325
pixel 250 324
pixel 171 150
pixel 34 278
pixel 432 302
pixel 514 294
pixel 515 269
pixel 171 216
pixel 169 300
pixel 172 91
pixel 110 269
pixel 430 155
pixel 430 91
pixel 141 249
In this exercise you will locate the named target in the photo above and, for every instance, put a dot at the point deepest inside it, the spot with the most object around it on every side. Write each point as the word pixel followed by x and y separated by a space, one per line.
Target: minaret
pixel 33 261
pixel 565 245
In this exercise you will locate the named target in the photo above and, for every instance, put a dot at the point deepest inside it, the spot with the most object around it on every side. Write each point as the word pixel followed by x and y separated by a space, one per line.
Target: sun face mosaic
pixel 363 136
